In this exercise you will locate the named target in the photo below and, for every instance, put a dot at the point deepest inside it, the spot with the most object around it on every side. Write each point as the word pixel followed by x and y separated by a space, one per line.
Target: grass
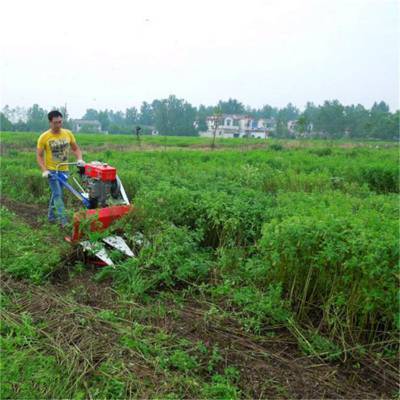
pixel 27 252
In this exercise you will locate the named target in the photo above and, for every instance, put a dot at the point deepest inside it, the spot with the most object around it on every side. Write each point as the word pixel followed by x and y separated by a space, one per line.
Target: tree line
pixel 174 116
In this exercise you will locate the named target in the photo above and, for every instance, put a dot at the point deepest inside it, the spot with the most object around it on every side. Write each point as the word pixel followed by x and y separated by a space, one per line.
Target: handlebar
pixel 66 163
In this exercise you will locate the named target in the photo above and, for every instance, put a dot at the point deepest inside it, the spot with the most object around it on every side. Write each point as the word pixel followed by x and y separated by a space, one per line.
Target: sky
pixel 116 54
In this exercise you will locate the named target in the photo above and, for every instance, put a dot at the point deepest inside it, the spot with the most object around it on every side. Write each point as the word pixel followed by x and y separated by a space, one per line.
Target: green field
pixel 269 270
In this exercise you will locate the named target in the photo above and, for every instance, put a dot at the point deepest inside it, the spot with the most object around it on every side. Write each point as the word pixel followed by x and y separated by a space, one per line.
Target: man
pixel 52 150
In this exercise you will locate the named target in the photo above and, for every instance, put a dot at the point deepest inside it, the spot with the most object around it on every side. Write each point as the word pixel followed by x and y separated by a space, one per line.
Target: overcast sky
pixel 116 54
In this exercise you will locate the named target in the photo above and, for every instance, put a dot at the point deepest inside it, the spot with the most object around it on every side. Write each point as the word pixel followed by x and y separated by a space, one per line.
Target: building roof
pixel 232 116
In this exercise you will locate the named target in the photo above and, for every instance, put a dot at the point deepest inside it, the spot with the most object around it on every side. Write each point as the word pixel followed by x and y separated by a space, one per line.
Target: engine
pixel 101 184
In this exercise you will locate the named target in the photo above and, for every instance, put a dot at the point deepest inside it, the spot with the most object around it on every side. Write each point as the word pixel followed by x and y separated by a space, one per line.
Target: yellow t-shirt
pixel 56 146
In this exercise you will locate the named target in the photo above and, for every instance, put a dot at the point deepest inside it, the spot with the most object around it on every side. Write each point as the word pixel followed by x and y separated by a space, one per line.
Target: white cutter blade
pixel 118 243
pixel 99 252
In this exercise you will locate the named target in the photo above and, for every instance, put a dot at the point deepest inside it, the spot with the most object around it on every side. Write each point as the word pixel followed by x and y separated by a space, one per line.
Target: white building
pixel 85 125
pixel 236 126
pixel 291 126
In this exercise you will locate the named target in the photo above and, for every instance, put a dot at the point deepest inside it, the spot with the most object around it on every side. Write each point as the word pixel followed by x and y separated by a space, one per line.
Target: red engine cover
pixel 104 217
pixel 102 172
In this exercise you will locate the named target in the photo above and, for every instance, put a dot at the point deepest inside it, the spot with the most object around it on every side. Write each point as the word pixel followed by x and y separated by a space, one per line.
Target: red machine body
pixel 102 218
pixel 102 172
pixel 102 192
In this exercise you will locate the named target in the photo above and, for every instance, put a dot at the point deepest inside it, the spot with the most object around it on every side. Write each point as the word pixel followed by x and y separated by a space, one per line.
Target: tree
pixel 7 112
pixel 311 112
pixel 356 120
pixel 202 114
pixel 5 123
pixel 268 112
pixel 380 107
pixel 117 117
pixel 160 116
pixel 146 114
pixel 17 115
pixel 173 116
pixel 131 116
pixel 104 119
pixel 284 115
pixel 21 114
pixel 394 126
pixel 232 106
pixel 37 118
pixel 331 119
pixel 91 114
pixel 288 113
pixel 380 124
pixel 302 124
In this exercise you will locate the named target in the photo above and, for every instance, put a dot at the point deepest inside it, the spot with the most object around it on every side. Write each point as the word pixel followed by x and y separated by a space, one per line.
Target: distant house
pixel 85 125
pixel 236 126
pixel 292 125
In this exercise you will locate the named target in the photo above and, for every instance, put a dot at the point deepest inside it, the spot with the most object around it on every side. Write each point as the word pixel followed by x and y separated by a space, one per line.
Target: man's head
pixel 55 120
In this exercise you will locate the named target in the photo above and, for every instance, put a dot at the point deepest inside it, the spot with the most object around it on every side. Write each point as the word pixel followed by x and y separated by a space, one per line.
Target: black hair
pixel 54 114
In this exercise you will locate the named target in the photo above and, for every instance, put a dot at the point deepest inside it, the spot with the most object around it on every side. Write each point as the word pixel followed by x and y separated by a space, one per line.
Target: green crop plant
pixel 337 258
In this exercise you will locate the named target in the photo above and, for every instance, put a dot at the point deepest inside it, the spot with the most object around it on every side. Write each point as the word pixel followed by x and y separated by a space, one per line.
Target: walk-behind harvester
pixel 101 192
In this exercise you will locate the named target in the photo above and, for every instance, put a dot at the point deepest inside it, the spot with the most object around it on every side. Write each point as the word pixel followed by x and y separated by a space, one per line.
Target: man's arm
pixel 40 159
pixel 77 151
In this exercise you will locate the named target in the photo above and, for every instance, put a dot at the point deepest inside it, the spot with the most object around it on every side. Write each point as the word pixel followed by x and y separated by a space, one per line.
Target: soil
pixel 31 214
pixel 274 367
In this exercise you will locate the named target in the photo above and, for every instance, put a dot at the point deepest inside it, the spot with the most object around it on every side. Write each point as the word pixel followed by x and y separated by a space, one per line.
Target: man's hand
pixel 45 174
pixel 80 163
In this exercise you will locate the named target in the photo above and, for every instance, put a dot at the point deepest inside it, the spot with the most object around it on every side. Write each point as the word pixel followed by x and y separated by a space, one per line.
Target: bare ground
pixel 29 213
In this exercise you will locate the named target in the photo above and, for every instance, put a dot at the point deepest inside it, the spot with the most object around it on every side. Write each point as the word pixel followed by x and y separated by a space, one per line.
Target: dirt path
pixel 29 213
